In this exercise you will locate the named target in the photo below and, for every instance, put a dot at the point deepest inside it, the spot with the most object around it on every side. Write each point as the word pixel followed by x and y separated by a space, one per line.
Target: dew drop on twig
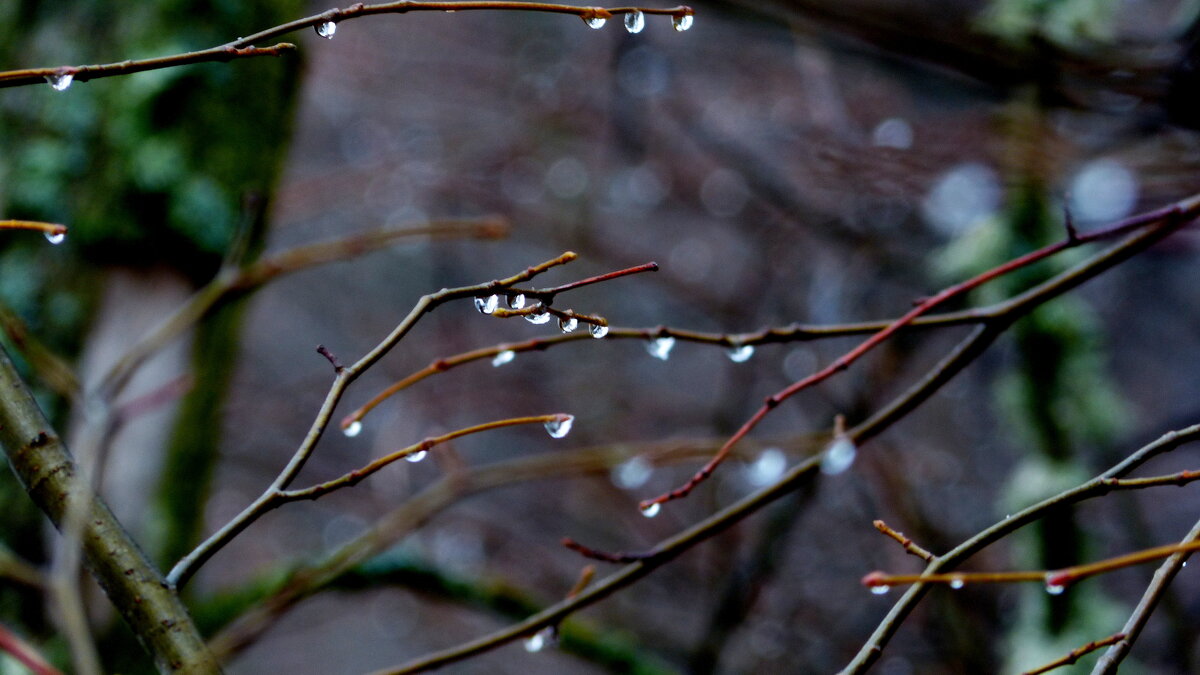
pixel 635 21
pixel 882 589
pixel 60 81
pixel 560 426
pixel 540 640
pixel 56 238
pixel 538 316
pixel 487 305
pixel 516 301
pixel 652 510
pixel 595 22
pixel 682 22
pixel 568 324
pixel 599 330
pixel 353 429
pixel 740 353
pixel 416 456
pixel 957 583
pixel 1055 589
pixel 326 29
pixel 838 457
pixel 503 357
pixel 660 348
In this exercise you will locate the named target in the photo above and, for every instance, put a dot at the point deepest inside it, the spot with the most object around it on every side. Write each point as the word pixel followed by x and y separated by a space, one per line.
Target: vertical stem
pixel 138 591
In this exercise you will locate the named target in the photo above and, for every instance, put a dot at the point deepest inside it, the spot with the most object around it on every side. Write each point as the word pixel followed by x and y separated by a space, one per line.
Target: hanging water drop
pixel 560 426
pixel 534 643
pixel 957 583
pixel 660 348
pixel 595 22
pixel 353 429
pixel 416 456
pixel 839 456
pixel 599 330
pixel 767 468
pixel 503 357
pixel 651 510
pixel 682 22
pixel 516 301
pixel 1055 589
pixel 635 21
pixel 487 305
pixel 568 324
pixel 326 29
pixel 60 81
pixel 740 353
pixel 56 238
pixel 881 589
pixel 538 316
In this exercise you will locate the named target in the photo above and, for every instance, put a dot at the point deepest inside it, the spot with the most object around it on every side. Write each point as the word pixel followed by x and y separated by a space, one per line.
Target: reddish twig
pixel 618 558
pixel 23 652
pixel 843 362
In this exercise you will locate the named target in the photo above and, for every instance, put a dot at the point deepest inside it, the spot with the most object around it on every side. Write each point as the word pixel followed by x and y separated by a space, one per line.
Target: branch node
pixel 337 366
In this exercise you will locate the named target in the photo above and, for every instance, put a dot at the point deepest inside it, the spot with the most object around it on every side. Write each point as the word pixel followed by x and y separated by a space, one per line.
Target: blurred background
pixel 784 161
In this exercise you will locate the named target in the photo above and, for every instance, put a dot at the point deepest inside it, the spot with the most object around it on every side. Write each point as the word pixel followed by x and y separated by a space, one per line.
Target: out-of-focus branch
pixel 49 367
pixel 23 652
pixel 1076 654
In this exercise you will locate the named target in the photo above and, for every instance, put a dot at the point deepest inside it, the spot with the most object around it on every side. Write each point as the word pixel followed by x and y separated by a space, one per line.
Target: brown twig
pixel 910 547
pixel 49 229
pixel 62 76
pixel 1076 654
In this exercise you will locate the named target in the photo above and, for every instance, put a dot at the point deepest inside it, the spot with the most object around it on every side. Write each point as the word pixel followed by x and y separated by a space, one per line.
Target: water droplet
pixel 880 590
pixel 560 426
pixel 326 29
pixel 487 305
pixel 353 429
pixel 740 353
pixel 60 81
pixel 839 456
pixel 957 583
pixel 1055 589
pixel 516 301
pixel 599 330
pixel 660 348
pixel 540 640
pixel 56 238
pixel 652 510
pixel 682 22
pixel 595 22
pixel 635 21
pixel 568 324
pixel 538 316
pixel 1184 564
pixel 632 474
pixel 767 468
pixel 503 357
pixel 416 456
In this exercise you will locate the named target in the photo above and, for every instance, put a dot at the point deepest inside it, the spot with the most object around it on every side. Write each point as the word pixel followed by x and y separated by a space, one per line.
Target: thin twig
pixel 28 76
pixel 49 229
pixel 910 546
pixel 25 653
pixel 1076 654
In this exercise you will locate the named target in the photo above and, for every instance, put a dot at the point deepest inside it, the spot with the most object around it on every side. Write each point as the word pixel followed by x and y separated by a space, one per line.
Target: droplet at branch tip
pixel 560 425
pixel 352 429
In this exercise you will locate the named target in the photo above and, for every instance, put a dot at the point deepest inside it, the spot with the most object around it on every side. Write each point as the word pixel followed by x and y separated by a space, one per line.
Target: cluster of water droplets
pixel 839 456
pixel 326 29
pixel 60 81
pixel 635 21
pixel 560 426
pixel 660 348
